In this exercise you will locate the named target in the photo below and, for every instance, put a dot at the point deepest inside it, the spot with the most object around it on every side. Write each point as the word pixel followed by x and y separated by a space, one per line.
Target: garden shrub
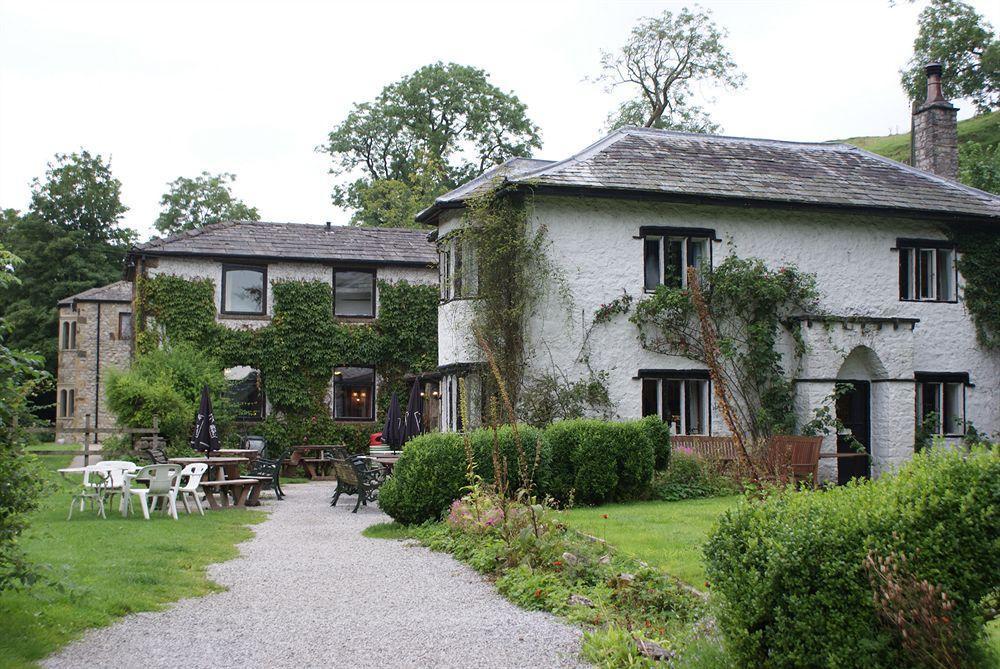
pixel 659 434
pixel 428 477
pixel 167 383
pixel 482 449
pixel 689 476
pixel 789 572
pixel 634 455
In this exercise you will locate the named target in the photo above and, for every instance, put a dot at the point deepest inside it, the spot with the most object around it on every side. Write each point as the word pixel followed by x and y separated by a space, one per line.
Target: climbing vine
pixel 747 304
pixel 511 268
pixel 298 349
pixel 979 263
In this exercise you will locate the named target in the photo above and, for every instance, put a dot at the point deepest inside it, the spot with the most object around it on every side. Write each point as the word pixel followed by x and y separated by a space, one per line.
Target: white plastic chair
pixel 162 481
pixel 116 485
pixel 187 485
pixel 96 482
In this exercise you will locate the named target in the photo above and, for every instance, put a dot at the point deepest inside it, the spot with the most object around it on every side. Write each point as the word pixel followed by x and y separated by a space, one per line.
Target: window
pixel 64 339
pixel 72 335
pixel 243 290
pixel 667 253
pixel 457 269
pixel 941 400
pixel 927 271
pixel 354 393
pixel 246 392
pixel 681 399
pixel 125 325
pixel 67 403
pixel 354 293
pixel 68 336
pixel 431 394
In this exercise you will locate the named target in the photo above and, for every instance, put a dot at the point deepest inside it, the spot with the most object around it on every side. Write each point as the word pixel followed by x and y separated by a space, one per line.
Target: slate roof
pixel 693 167
pixel 298 241
pixel 119 291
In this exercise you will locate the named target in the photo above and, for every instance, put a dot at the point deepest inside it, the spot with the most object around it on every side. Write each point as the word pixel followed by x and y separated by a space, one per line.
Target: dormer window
pixel 927 271
pixel 668 252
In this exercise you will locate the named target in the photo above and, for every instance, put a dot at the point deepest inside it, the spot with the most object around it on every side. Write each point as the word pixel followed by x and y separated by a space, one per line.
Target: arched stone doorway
pixel 855 404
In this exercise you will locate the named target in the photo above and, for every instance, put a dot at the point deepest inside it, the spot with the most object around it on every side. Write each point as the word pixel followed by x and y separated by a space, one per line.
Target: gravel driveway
pixel 309 591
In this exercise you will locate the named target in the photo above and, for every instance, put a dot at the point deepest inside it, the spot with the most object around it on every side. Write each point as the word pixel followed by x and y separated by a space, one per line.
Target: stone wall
pixel 84 369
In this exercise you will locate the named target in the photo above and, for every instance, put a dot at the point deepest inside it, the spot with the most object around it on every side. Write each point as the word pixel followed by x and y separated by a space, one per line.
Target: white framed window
pixel 941 400
pixel 681 399
pixel 457 269
pixel 666 257
pixel 927 271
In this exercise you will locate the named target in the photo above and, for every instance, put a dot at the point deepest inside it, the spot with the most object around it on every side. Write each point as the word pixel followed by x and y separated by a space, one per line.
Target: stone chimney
pixel 934 139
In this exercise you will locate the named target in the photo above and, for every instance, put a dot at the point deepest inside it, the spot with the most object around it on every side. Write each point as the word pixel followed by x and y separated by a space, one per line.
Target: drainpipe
pixel 97 374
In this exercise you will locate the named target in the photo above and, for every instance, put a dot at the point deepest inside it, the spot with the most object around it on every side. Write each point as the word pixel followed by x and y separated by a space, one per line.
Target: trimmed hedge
pixel 659 433
pixel 589 460
pixel 428 477
pixel 789 575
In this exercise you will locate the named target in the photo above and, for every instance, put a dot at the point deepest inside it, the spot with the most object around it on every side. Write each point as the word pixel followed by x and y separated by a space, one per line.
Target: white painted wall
pixel 595 244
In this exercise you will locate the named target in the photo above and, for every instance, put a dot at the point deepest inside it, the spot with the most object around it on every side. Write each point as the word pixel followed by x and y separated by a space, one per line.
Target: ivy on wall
pixel 297 351
pixel 979 264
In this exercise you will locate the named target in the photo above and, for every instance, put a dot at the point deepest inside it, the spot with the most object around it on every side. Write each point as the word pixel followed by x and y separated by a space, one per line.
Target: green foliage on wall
pixel 979 264
pixel 297 351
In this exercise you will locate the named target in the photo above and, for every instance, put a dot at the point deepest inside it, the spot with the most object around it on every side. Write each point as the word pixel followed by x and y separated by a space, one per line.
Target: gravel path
pixel 309 591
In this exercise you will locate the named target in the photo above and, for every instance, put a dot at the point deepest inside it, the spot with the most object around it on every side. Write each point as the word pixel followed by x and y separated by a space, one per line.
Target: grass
pixel 668 535
pixel 984 128
pixel 99 570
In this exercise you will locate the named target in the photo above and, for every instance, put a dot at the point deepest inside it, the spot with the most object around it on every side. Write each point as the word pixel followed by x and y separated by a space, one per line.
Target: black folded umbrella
pixel 206 435
pixel 392 433
pixel 413 421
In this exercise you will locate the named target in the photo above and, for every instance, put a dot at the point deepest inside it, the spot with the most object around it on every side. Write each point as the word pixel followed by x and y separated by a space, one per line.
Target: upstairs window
pixel 927 271
pixel 67 403
pixel 244 290
pixel 457 269
pixel 125 325
pixel 941 401
pixel 680 398
pixel 354 393
pixel 246 392
pixel 354 293
pixel 668 252
pixel 68 336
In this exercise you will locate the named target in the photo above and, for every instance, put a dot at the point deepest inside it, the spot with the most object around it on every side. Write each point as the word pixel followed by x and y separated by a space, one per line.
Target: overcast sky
pixel 168 89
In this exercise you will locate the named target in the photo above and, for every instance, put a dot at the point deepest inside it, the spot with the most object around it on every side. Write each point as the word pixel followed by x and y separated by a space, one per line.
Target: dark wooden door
pixel 854 411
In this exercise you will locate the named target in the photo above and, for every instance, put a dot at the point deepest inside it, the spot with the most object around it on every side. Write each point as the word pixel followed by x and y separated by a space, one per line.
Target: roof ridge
pixel 738 138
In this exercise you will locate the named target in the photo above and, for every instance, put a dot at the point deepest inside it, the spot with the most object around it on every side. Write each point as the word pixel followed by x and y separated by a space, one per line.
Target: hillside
pixel 984 129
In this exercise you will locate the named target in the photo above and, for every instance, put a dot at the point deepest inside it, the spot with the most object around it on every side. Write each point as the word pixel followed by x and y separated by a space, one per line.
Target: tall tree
pixel 70 239
pixel 422 135
pixel 954 34
pixel 663 60
pixel 205 199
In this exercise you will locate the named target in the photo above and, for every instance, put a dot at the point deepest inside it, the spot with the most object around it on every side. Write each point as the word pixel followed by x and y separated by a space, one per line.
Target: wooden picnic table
pixel 224 478
pixel 250 453
pixel 387 460
pixel 316 468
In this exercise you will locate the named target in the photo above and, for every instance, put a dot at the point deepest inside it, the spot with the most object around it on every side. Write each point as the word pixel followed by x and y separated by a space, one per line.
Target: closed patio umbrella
pixel 206 436
pixel 392 433
pixel 414 418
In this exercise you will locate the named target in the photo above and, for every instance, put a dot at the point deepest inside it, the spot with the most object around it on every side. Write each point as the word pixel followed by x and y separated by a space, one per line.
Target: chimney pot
pixel 934 93
pixel 328 226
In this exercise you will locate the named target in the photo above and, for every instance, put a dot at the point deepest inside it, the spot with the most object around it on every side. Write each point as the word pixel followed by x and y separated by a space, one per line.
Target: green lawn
pixel 666 534
pixel 103 569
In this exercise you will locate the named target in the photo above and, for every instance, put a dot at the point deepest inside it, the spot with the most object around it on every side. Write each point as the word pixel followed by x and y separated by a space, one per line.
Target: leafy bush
pixel 659 434
pixel 789 572
pixel 634 455
pixel 689 477
pixel 482 449
pixel 167 383
pixel 428 477
pixel 283 431
pixel 20 476
pixel 598 461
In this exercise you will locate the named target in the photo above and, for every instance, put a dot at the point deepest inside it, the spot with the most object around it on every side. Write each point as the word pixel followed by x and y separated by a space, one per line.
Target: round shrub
pixel 658 433
pixel 482 449
pixel 428 477
pixel 790 577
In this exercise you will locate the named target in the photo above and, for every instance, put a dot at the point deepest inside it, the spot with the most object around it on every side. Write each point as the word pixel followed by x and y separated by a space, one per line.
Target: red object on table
pixel 376 439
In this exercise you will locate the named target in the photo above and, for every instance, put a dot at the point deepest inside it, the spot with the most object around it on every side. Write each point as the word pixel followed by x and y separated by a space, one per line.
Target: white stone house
pixel 244 260
pixel 874 232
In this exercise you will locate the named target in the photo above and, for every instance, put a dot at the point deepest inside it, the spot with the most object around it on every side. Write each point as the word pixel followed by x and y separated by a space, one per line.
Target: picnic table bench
pixel 316 468
pixel 245 492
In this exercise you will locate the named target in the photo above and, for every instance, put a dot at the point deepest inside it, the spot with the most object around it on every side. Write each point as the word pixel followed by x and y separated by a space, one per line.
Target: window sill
pixel 244 317
pixel 354 319
pixel 929 301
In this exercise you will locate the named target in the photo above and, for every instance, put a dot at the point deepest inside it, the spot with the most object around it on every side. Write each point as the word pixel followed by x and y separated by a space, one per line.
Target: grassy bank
pixel 984 129
pixel 99 570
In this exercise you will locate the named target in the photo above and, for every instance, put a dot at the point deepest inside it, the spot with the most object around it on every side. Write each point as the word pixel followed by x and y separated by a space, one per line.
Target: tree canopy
pixel 954 34
pixel 205 199
pixel 662 61
pixel 422 135
pixel 70 239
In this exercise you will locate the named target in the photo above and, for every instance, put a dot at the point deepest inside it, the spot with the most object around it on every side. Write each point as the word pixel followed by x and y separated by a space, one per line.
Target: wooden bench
pixel 244 491
pixel 715 448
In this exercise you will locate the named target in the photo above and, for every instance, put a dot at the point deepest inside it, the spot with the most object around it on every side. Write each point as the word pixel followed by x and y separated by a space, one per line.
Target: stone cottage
pixel 244 260
pixel 95 334
pixel 636 208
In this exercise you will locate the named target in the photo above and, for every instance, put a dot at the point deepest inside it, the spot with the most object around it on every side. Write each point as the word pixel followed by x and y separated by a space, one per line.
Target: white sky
pixel 169 89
